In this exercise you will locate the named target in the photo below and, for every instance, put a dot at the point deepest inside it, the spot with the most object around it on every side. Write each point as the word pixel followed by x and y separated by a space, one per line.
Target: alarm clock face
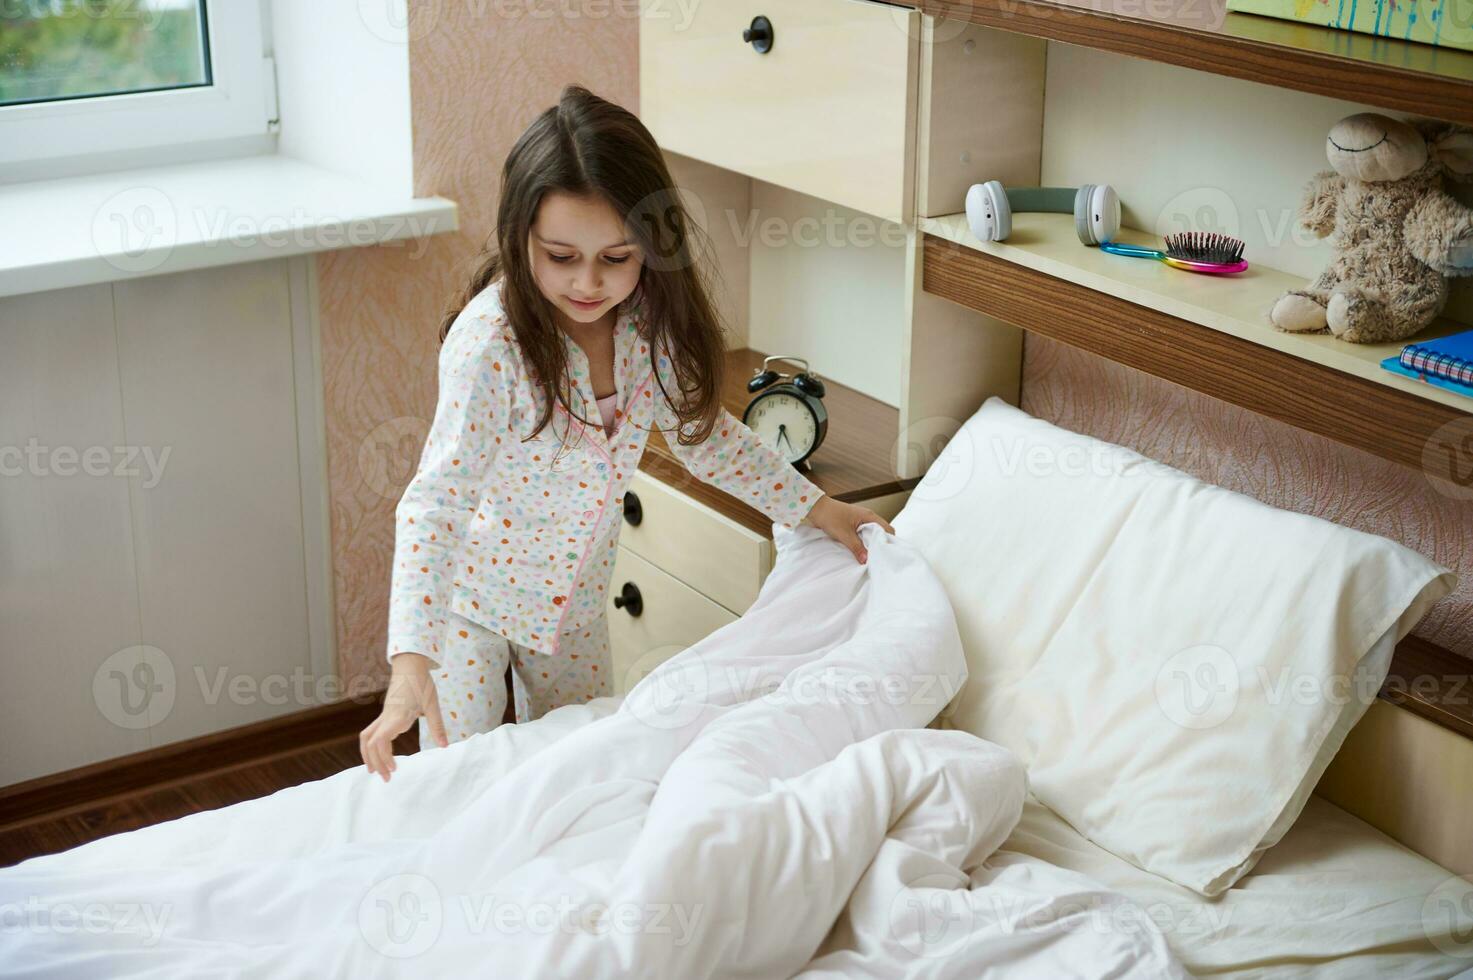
pixel 783 420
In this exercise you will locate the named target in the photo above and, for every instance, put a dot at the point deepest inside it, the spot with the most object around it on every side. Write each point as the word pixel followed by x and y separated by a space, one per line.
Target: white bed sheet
pixel 1336 899
pixel 765 804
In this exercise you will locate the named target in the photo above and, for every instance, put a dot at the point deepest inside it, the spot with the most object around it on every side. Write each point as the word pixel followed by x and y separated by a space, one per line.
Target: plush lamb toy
pixel 1397 233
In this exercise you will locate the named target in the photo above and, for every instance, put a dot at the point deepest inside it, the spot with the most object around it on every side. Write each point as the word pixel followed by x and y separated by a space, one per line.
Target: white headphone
pixel 1096 209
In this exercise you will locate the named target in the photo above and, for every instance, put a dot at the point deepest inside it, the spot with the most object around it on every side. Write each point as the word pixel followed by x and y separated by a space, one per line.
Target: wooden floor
pixel 70 818
pixel 47 835
pixel 58 812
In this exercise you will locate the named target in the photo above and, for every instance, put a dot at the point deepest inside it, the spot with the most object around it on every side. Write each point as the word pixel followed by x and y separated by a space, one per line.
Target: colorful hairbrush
pixel 1194 251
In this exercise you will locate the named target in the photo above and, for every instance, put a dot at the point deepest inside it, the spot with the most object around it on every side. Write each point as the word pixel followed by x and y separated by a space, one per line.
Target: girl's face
pixel 580 252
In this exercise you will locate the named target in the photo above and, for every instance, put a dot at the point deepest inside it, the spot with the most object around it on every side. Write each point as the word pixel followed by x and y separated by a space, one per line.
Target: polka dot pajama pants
pixel 471 681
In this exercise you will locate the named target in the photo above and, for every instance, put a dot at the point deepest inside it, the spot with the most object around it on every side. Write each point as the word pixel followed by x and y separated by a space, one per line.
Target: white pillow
pixel 1174 662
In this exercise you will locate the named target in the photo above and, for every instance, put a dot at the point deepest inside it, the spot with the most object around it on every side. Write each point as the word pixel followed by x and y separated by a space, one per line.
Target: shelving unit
pixel 1209 334
pixel 1380 71
pixel 1234 305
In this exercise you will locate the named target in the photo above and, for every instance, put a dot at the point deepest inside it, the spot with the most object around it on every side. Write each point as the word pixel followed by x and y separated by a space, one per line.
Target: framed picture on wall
pixel 1442 23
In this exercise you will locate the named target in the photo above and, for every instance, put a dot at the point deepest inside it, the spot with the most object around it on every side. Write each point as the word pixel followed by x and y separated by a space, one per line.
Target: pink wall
pixel 1248 453
pixel 479 74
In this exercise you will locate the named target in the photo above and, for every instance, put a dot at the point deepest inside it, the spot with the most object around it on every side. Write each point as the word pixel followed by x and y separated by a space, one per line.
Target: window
pixel 89 78
pixel 79 49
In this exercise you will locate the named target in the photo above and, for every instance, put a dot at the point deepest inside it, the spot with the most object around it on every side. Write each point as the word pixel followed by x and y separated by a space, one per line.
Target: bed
pixel 933 765
pixel 1335 898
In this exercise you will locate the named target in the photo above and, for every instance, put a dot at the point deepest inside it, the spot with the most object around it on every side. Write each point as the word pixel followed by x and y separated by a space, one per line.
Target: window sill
pixel 83 230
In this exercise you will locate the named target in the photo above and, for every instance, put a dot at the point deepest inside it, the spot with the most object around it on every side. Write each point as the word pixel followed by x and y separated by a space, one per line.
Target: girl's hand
pixel 841 521
pixel 411 693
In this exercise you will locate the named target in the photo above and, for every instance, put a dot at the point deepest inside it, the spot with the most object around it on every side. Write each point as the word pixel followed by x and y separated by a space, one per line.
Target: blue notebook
pixel 1447 357
pixel 1394 365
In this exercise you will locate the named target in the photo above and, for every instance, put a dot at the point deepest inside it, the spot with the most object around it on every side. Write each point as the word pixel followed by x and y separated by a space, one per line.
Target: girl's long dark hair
pixel 586 145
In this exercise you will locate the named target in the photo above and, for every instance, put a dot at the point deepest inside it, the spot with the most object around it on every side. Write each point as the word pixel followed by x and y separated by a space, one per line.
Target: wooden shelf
pixel 1202 332
pixel 1236 305
pixel 1380 71
pixel 852 464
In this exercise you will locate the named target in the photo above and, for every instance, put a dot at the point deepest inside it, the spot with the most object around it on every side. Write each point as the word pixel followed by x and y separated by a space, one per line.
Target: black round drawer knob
pixel 633 511
pixel 629 599
pixel 759 35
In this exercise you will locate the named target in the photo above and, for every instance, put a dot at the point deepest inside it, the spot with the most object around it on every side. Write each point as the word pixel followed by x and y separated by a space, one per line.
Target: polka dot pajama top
pixel 520 536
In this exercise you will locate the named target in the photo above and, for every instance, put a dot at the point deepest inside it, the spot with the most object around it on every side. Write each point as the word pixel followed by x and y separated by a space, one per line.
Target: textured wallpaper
pixel 1269 460
pixel 479 74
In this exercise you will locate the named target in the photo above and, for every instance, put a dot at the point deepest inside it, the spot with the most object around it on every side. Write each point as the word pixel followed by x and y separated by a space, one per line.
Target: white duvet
pixel 766 804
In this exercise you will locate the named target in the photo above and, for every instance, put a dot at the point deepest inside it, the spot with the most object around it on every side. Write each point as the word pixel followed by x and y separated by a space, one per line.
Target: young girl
pixel 587 326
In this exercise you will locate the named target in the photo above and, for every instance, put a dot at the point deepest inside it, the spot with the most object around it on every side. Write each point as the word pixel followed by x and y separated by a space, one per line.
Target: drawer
pixel 672 617
pixel 828 111
pixel 707 551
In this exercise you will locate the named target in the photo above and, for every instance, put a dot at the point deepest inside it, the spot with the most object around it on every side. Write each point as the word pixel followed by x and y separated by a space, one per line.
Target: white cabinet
pixel 829 110
pixel 710 552
pixel 163 540
pixel 671 616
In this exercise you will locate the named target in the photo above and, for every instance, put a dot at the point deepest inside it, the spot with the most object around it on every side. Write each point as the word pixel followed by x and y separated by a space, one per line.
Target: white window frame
pixel 237 104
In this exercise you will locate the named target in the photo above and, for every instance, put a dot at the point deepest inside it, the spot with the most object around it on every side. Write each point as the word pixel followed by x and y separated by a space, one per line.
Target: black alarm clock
pixel 788 415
